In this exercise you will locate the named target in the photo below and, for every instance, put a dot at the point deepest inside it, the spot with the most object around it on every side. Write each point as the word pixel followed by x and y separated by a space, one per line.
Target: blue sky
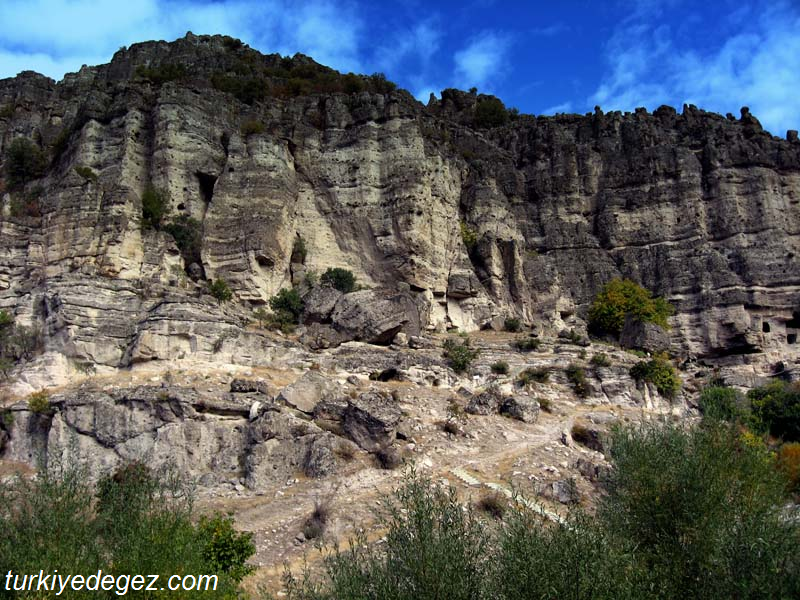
pixel 542 57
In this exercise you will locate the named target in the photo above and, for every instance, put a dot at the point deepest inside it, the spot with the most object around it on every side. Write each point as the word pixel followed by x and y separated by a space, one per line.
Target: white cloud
pixel 481 63
pixel 70 33
pixel 564 107
pixel 758 67
pixel 419 44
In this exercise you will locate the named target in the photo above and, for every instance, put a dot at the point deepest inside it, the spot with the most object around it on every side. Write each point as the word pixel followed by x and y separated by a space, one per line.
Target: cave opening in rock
pixel 207 183
pixel 791 338
pixel 765 327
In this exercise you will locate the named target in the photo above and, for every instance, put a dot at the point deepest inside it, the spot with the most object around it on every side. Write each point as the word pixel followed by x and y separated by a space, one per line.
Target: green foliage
pixel 162 73
pixel 776 408
pixel 188 235
pixel 660 372
pixel 600 360
pixel 719 402
pixel 24 162
pixel 512 324
pixel 247 89
pixel 341 279
pixel 132 522
pixel 39 402
pixel 689 513
pixel 86 173
pixel 490 112
pixel 621 297
pixel 7 111
pixel 469 236
pixel 459 353
pixel 703 509
pixel 226 550
pixel 155 206
pixel 252 127
pixel 220 290
pixel 499 368
pixel 526 343
pixel 577 377
pixel 531 375
pixel 287 300
pixel 433 549
pixel 25 203
pixel 299 250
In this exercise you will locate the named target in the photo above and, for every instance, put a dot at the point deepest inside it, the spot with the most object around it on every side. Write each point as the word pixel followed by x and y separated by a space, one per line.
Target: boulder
pixel 319 337
pixel 308 391
pixel 485 403
pixel 371 420
pixel 319 303
pixel 643 336
pixel 376 316
pixel 521 407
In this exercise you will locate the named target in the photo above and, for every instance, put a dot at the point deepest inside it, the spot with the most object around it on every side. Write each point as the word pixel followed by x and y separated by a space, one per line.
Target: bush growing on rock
pixel 660 372
pixel 459 354
pixel 188 236
pixel 600 360
pixel 155 206
pixel 499 368
pixel 341 279
pixel 39 402
pixel 530 375
pixel 24 162
pixel 622 297
pixel 526 344
pixel 490 112
pixel 287 306
pixel 220 290
pixel 577 377
pixel 719 402
pixel 512 324
pixel 776 408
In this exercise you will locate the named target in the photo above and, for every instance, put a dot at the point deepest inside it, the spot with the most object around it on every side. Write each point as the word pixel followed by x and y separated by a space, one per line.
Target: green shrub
pixel 719 402
pixel 600 360
pixel 247 89
pixel 494 504
pixel 621 297
pixel 776 408
pixel 469 236
pixel 220 290
pixel 188 235
pixel 155 206
pixel 226 550
pixel 252 127
pixel 499 368
pixel 86 173
pixel 161 74
pixel 39 402
pixel 490 112
pixel 660 372
pixel 512 324
pixel 299 250
pixel 433 548
pixel 530 375
pixel 289 301
pixel 459 354
pixel 341 279
pixel 24 162
pixel 7 111
pixel 317 521
pixel 577 377
pixel 132 522
pixel 526 343
pixel 703 510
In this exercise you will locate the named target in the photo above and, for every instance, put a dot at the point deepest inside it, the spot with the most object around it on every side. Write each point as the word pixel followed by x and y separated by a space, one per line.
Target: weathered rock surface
pixel 371 420
pixel 520 407
pixel 700 209
pixel 643 336
pixel 308 391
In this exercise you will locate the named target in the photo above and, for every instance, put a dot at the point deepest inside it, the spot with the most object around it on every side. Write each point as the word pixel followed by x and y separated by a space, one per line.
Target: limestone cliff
pixel 702 209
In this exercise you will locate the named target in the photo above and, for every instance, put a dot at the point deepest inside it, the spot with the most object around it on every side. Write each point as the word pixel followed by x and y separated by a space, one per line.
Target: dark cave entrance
pixel 207 183
pixel 765 327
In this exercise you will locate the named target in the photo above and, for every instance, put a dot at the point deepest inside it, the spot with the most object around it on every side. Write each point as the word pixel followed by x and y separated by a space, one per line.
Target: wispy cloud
pixel 481 62
pixel 564 107
pixel 759 67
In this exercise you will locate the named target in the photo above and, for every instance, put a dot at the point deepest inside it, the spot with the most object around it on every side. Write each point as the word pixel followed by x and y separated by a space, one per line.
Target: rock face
pixel 529 219
pixel 643 336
